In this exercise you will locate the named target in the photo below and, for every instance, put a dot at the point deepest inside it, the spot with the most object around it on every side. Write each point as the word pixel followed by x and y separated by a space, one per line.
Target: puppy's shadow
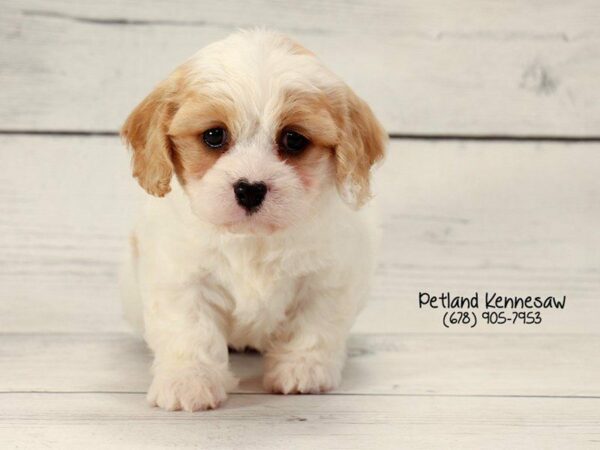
pixel 247 365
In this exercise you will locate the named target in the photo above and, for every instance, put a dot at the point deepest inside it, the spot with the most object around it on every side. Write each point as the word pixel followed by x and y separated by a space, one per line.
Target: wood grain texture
pixel 498 67
pixel 318 422
pixel 517 219
pixel 395 364
pixel 464 217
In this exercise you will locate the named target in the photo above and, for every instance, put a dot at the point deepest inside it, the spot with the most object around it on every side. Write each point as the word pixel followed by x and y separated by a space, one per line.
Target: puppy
pixel 257 159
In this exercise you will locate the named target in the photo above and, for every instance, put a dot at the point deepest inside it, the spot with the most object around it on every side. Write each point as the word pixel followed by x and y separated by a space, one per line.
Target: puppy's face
pixel 256 130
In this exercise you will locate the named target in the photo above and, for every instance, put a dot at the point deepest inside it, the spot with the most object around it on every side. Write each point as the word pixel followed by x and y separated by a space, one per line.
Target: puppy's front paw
pixel 190 389
pixel 301 375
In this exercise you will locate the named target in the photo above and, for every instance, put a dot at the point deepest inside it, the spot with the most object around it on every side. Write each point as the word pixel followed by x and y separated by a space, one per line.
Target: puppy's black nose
pixel 249 195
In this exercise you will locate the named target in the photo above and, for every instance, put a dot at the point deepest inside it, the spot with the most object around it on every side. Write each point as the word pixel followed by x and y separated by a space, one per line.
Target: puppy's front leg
pixel 190 351
pixel 307 354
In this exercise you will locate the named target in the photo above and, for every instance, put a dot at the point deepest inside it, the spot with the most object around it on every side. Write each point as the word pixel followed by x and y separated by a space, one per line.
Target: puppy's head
pixel 256 130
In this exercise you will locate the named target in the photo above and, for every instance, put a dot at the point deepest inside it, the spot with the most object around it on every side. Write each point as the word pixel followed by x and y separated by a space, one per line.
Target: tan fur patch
pixel 310 115
pixel 145 131
pixel 165 132
pixel 337 123
pixel 362 145
pixel 191 157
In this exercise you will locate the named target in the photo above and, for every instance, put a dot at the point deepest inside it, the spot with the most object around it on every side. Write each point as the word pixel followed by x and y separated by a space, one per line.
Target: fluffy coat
pixel 203 273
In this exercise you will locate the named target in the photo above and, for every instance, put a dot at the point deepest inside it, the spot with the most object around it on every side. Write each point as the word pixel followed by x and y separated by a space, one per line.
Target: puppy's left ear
pixel 362 144
pixel 145 131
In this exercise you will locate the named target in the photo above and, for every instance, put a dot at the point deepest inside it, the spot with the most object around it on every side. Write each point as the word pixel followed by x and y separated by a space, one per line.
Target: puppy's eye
pixel 215 137
pixel 292 143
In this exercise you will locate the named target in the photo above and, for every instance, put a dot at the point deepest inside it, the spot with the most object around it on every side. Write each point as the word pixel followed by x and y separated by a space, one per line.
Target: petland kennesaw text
pixel 491 300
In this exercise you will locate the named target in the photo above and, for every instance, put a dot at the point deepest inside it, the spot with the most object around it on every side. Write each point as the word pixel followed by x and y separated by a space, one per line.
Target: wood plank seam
pixel 392 136
pixel 329 394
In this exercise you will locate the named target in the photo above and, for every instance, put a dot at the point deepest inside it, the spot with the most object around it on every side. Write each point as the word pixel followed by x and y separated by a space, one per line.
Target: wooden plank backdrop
pixel 428 68
pixel 514 218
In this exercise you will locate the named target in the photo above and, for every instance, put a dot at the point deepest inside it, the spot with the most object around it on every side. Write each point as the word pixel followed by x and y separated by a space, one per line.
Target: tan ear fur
pixel 362 144
pixel 145 131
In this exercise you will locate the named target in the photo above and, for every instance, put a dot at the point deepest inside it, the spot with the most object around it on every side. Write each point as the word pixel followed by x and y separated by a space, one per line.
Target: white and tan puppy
pixel 258 159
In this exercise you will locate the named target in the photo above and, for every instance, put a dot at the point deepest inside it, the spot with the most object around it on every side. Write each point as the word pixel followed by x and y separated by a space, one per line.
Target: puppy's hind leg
pixel 129 289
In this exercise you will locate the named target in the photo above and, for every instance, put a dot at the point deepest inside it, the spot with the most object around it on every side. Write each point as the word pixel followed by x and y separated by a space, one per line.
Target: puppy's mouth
pixel 255 221
pixel 251 227
pixel 249 212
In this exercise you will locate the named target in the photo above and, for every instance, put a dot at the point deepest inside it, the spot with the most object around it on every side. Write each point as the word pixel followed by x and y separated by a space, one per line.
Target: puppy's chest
pixel 261 286
pixel 257 284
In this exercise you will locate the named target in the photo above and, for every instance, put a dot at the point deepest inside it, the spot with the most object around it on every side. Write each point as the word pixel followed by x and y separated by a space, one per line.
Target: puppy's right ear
pixel 145 132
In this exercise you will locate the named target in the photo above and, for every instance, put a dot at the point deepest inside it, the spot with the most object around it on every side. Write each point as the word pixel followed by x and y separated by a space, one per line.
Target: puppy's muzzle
pixel 249 195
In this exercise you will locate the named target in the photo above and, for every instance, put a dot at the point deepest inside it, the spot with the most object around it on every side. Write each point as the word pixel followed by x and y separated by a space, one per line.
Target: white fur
pixel 287 281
